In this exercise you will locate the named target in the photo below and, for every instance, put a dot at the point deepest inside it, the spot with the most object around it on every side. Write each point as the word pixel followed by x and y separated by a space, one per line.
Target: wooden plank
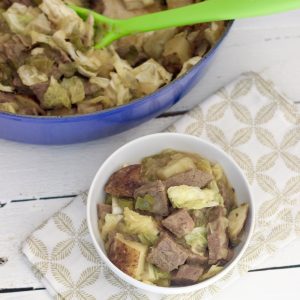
pixel 19 219
pixel 29 171
pixel 270 285
pixel 31 295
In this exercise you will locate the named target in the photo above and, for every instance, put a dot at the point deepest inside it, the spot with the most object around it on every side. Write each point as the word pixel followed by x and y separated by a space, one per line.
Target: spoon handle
pixel 207 11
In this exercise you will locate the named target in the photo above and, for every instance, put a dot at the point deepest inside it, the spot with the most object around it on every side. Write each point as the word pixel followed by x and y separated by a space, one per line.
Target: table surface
pixel 36 181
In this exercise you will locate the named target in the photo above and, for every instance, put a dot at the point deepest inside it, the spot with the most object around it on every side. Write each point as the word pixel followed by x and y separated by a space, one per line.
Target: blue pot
pixel 82 128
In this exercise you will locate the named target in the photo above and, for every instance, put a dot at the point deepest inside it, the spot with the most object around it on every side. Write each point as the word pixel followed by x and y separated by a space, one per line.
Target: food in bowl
pixel 48 66
pixel 171 220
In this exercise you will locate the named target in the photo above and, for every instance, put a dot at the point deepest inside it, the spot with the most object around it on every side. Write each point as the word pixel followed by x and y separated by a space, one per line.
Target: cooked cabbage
pixel 143 226
pixel 56 96
pixel 192 197
pixel 6 88
pixel 145 203
pixel 154 275
pixel 197 239
pixel 213 270
pixel 237 219
pixel 75 89
pixel 175 167
pixel 110 223
pixel 30 75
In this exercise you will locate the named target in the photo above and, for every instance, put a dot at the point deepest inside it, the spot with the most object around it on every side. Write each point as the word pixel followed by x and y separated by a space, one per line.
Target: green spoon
pixel 207 11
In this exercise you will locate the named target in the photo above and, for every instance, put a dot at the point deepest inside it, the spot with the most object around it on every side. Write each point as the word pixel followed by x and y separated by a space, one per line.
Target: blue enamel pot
pixel 82 128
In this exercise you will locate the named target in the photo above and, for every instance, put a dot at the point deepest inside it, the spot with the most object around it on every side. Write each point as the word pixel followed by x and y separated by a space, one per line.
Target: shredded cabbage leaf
pixel 191 197
pixel 197 239
pixel 56 96
pixel 143 226
pixel 30 75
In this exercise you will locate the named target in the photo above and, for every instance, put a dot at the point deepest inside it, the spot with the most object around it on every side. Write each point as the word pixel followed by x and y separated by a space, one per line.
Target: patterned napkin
pixel 248 119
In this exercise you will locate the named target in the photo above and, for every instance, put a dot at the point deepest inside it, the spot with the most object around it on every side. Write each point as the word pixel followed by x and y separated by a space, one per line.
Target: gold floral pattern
pixel 253 123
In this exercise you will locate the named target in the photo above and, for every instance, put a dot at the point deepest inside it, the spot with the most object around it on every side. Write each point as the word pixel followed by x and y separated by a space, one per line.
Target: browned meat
pixel 179 223
pixel 134 56
pixel 89 88
pixel 14 50
pixel 217 240
pixel 227 195
pixel 97 5
pixel 20 87
pixel 167 254
pixel 187 275
pixel 192 178
pixel 39 90
pixel 178 3
pixel 196 259
pixel 6 97
pixel 103 210
pixel 172 63
pixel 216 212
pixel 157 190
pixel 124 182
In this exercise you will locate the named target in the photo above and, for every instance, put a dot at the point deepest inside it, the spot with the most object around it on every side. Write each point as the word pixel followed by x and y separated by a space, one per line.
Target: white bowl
pixel 132 153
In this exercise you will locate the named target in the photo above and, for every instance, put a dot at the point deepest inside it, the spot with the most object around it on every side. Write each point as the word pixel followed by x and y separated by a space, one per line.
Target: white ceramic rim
pixel 154 288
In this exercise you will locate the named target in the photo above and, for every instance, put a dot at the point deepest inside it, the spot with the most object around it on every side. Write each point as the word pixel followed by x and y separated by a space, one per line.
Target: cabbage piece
pixel 179 46
pixel 218 172
pixel 19 16
pixel 30 75
pixel 237 219
pixel 116 208
pixel 41 62
pixel 151 76
pixel 58 13
pixel 197 239
pixel 101 82
pixel 213 270
pixel 37 37
pixel 92 105
pixel 144 226
pixel 118 204
pixel 56 96
pixel 75 88
pixel 214 32
pixel 110 223
pixel 125 72
pixel 214 186
pixel 6 88
pixel 145 203
pixel 176 166
pixel 188 65
pixel 117 92
pixel 154 44
pixel 192 197
pixel 68 69
pixel 10 107
pixel 23 19
pixel 154 275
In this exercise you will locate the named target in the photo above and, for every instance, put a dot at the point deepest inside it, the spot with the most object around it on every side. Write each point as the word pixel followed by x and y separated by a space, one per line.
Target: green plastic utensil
pixel 207 11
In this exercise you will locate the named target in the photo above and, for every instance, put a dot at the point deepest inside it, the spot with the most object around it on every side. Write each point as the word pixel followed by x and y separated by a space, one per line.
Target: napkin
pixel 254 124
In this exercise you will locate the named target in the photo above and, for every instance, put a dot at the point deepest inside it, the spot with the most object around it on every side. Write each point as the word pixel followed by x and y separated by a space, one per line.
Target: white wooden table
pixel 35 181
